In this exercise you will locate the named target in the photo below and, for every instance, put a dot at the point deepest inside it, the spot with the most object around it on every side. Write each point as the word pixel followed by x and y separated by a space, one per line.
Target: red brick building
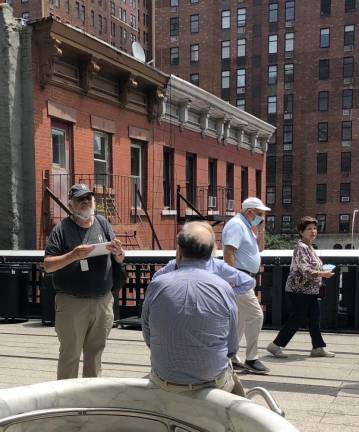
pixel 293 64
pixel 154 148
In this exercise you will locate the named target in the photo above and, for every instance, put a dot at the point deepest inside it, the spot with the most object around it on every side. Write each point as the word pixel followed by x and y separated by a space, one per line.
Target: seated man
pixel 189 321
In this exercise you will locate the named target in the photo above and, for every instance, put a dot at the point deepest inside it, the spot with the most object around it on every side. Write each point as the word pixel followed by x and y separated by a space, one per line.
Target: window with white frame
pixel 226 19
pixel 241 48
pixel 194 53
pixel 271 104
pixel 241 17
pixel 226 50
pixel 273 12
pixel 324 41
pixel 272 74
pixel 272 44
pixel 289 10
pixel 349 35
pixel 289 43
pixel 241 78
pixel 102 158
pixel 226 75
pixel 138 172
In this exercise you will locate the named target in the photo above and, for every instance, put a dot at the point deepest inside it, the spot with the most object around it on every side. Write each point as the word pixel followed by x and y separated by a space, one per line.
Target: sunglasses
pixel 84 198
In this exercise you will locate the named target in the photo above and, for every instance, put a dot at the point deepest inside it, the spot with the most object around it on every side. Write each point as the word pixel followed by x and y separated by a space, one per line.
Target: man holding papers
pixel 82 274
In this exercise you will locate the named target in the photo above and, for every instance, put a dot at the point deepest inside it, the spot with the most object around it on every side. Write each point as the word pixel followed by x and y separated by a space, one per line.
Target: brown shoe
pixel 321 352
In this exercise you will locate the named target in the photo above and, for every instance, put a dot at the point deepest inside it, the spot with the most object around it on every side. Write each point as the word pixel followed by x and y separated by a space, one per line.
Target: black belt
pixel 253 275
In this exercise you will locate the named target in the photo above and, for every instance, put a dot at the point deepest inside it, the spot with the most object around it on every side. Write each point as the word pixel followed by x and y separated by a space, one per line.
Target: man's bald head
pixel 196 241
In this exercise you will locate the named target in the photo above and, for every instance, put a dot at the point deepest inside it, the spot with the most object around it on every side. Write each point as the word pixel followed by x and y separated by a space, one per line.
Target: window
pixel 194 23
pixel 174 3
pixel 60 147
pixel 289 43
pixel 241 48
pixel 289 10
pixel 194 53
pixel 348 67
pixel 258 183
pixel 325 6
pixel 168 177
pixel 286 224
pixel 287 194
pixel 241 17
pixel 241 78
pixel 344 220
pixel 133 21
pixel 241 103
pixel 244 183
pixel 350 5
pixel 212 182
pixel 138 172
pixel 102 158
pixel 346 162
pixel 323 132
pixel 272 44
pixel 230 186
pixel 322 221
pixel 349 35
pixel 25 15
pixel 92 18
pixel 287 134
pixel 226 19
pixel 272 75
pixel 113 8
pixel 194 79
pixel 347 99
pixel 273 12
pixel 324 38
pixel 194 1
pixel 174 26
pixel 270 224
pixel 271 169
pixel 323 101
pixel 321 193
pixel 270 198
pixel 271 104
pixel 322 163
pixel 288 72
pixel 324 69
pixel 191 169
pixel 287 168
pixel 174 56
pixel 225 79
pixel 346 131
pixel 344 192
pixel 226 50
pixel 288 104
pixel 77 9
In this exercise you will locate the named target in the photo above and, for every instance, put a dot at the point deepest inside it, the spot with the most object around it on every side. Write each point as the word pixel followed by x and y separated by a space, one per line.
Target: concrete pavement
pixel 317 394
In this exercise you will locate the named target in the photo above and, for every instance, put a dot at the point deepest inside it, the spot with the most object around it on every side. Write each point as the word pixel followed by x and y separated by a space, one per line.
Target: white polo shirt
pixel 238 233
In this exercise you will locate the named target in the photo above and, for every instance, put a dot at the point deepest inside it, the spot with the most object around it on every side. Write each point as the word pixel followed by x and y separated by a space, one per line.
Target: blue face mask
pixel 257 220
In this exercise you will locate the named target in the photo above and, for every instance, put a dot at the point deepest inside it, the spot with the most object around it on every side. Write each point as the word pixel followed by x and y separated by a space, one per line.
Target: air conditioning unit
pixel 287 147
pixel 174 38
pixel 345 199
pixel 348 47
pixel 212 202
pixel 347 112
pixel 288 86
pixel 346 143
pixel 286 219
pixel 289 24
pixel 287 201
pixel 241 90
pixel 288 116
pixel 230 205
pixel 241 29
pixel 348 80
pixel 288 54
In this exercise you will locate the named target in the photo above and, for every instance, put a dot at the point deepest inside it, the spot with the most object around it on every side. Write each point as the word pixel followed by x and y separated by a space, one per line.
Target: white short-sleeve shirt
pixel 238 233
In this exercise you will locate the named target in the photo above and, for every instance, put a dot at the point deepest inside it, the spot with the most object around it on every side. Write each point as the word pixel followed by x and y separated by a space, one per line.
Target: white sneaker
pixel 321 352
pixel 276 350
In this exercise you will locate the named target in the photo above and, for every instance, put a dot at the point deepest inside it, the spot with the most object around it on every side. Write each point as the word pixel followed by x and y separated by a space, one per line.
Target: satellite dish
pixel 137 52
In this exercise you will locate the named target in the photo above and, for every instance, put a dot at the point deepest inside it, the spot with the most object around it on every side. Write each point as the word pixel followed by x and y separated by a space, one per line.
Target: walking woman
pixel 302 288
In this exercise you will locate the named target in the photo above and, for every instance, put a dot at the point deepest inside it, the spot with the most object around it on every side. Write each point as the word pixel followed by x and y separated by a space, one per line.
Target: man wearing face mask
pixel 240 250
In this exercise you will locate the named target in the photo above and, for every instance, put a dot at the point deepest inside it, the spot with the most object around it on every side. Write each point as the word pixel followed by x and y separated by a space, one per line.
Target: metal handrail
pixel 7 422
pixel 272 404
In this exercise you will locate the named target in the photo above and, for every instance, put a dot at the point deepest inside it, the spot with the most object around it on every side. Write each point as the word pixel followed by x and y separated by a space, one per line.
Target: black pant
pixel 304 309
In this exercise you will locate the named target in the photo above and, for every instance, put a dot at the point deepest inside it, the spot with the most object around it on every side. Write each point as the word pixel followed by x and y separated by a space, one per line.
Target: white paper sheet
pixel 100 249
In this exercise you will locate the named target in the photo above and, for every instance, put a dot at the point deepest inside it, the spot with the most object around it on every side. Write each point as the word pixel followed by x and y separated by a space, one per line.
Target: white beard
pixel 85 214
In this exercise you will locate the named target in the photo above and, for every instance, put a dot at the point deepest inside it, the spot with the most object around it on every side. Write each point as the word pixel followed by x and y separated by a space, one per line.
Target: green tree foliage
pixel 280 241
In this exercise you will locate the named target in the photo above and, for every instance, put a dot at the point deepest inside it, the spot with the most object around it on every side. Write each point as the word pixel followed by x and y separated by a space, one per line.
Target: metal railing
pixel 339 309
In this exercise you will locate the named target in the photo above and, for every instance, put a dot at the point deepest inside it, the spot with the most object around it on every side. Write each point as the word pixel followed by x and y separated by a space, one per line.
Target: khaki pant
pixel 82 324
pixel 229 382
pixel 250 321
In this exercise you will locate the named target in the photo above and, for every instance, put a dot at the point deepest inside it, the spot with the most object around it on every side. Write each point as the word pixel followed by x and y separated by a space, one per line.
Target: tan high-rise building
pixel 294 64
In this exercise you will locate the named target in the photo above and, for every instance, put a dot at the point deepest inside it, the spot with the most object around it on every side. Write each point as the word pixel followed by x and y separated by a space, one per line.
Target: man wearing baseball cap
pixel 84 302
pixel 240 250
